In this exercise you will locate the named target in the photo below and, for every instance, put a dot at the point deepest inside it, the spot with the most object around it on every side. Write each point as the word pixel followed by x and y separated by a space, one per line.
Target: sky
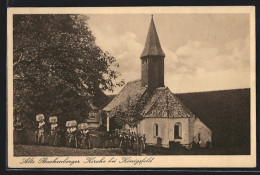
pixel 204 52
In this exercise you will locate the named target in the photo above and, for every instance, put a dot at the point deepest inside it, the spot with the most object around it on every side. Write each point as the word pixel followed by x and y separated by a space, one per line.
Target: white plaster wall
pixel 191 125
pixel 185 134
pixel 166 130
pixel 205 132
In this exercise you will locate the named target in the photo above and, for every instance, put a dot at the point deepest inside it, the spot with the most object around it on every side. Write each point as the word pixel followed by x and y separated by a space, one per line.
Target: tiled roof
pixel 131 92
pixel 152 44
pixel 159 103
pixel 163 103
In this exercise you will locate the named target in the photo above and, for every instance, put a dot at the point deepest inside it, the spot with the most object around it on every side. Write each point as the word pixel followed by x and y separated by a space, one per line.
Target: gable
pixel 163 103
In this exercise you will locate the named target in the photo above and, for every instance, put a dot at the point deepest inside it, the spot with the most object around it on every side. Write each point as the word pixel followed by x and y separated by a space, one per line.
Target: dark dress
pixel 54 138
pixel 19 133
pixel 125 144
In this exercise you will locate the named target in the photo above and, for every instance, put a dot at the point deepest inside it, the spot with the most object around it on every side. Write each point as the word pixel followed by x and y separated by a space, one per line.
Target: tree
pixel 131 114
pixel 58 68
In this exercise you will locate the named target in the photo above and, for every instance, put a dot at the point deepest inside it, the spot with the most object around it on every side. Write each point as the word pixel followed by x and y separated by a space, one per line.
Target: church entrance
pixel 177 131
pixel 159 141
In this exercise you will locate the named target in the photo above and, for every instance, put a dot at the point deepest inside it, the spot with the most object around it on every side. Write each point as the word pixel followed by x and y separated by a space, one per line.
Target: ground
pixel 37 150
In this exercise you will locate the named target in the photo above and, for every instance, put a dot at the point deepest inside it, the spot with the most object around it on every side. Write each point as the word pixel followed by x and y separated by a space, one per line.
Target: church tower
pixel 152 59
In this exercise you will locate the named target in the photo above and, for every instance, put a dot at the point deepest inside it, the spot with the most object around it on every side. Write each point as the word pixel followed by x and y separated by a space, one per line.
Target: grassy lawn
pixel 38 150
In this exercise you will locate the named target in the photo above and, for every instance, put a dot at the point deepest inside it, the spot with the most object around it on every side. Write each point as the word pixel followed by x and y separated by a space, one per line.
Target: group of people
pixel 126 140
pixel 78 136
pixel 74 136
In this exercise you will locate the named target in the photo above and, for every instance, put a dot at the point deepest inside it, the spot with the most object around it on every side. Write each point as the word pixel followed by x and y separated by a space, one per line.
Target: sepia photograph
pixel 131 87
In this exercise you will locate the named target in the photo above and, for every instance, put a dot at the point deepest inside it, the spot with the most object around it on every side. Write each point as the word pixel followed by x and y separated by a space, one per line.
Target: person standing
pixel 121 137
pixel 89 144
pixel 54 134
pixel 54 137
pixel 20 131
pixel 71 133
pixel 124 143
pixel 39 134
pixel 41 138
pixel 73 138
pixel 67 137
pixel 142 144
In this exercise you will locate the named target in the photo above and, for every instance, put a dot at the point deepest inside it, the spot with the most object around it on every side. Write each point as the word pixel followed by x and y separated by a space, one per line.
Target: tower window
pixel 144 60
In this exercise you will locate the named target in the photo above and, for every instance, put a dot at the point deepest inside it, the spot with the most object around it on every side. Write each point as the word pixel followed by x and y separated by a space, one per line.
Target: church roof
pixel 152 45
pixel 164 103
pixel 132 91
pixel 159 103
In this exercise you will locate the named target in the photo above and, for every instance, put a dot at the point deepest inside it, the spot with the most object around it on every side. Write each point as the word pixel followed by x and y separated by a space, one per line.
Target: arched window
pixel 156 129
pixel 177 131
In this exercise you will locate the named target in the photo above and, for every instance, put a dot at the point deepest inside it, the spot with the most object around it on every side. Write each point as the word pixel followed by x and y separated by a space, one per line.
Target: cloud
pixel 192 65
pixel 208 81
pixel 199 55
pixel 199 67
pixel 125 48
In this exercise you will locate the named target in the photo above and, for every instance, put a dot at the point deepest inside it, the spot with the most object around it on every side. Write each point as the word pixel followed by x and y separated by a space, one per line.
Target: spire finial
pixel 152 16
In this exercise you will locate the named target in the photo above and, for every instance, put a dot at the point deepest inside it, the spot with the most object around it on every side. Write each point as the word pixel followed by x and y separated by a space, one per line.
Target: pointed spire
pixel 152 45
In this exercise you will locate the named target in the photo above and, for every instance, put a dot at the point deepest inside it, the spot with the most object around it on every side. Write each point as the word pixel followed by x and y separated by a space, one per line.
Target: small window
pixel 156 129
pixel 198 136
pixel 177 131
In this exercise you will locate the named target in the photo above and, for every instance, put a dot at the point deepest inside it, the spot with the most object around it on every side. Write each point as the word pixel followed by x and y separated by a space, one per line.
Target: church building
pixel 165 117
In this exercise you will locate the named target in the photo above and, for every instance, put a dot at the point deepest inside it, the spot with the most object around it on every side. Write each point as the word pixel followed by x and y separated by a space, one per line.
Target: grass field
pixel 38 150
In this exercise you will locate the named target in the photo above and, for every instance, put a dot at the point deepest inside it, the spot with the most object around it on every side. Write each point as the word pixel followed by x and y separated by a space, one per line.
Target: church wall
pixel 203 130
pixel 166 130
pixel 191 124
pixel 185 130
pixel 147 127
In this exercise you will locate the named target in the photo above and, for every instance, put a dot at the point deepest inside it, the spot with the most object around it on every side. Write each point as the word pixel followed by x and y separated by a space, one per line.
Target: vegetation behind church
pixel 227 113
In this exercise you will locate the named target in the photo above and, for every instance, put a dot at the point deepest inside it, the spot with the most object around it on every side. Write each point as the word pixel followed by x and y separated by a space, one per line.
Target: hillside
pixel 227 113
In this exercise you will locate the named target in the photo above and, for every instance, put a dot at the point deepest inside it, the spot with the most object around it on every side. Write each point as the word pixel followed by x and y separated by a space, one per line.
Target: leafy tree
pixel 130 114
pixel 58 69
